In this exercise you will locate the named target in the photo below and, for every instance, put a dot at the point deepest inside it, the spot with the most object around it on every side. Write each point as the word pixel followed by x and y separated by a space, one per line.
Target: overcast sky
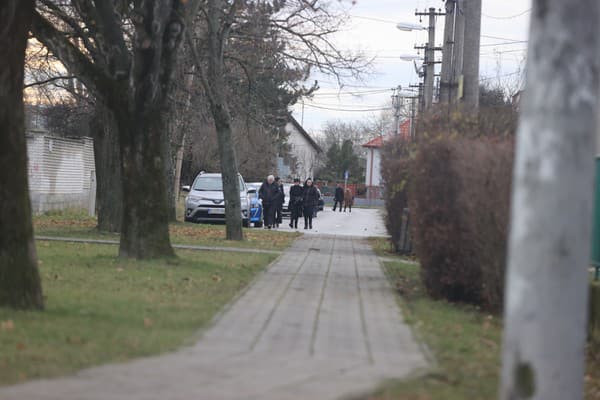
pixel 372 30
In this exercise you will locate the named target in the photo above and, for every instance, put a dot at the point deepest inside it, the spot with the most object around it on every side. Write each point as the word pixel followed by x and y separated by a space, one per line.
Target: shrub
pixel 459 201
pixel 395 172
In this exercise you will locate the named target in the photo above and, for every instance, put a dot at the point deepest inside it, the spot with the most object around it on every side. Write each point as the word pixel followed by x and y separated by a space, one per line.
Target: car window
pixel 214 183
pixel 209 183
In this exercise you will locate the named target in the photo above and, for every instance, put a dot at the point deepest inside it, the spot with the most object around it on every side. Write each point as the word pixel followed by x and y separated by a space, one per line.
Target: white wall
pixel 303 151
pixel 60 172
pixel 373 178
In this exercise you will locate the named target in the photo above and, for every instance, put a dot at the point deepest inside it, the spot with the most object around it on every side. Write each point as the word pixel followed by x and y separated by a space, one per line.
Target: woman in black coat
pixel 295 204
pixel 310 200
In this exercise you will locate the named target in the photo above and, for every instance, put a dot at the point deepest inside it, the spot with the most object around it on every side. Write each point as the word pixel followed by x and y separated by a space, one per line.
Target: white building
pixel 303 150
pixel 373 170
pixel 61 172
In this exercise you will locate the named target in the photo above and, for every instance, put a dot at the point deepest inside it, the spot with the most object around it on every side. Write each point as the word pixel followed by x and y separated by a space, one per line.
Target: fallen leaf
pixel 74 340
pixel 20 346
pixel 7 325
pixel 216 278
pixel 148 322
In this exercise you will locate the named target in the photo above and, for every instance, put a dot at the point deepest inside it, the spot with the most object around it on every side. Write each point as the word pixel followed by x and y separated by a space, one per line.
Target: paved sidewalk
pixel 320 323
pixel 361 222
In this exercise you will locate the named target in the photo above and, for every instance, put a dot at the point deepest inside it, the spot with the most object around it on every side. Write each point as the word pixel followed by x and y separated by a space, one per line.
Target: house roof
pixel 305 134
pixel 377 142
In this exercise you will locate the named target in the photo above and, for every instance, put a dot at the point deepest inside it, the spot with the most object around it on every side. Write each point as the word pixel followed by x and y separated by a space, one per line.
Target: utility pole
pixel 413 112
pixel 430 62
pixel 456 77
pixel 447 52
pixel 472 35
pixel 397 100
pixel 548 251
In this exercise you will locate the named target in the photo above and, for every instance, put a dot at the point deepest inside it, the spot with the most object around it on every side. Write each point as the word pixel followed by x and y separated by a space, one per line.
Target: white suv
pixel 205 203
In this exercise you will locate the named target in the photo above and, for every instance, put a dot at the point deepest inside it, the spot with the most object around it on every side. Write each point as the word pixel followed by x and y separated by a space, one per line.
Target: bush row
pixel 456 181
pixel 459 201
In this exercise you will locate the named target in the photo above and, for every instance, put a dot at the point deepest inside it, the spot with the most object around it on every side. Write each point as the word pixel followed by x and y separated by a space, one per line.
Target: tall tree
pixel 300 30
pixel 20 285
pixel 125 52
pixel 549 245
pixel 220 16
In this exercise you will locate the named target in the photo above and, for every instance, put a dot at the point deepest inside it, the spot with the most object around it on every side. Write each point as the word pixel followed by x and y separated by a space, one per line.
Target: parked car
pixel 205 202
pixel 256 210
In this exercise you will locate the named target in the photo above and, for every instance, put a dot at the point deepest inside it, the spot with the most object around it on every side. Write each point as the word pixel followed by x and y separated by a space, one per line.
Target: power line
pixel 386 21
pixel 503 43
pixel 489 78
pixel 499 38
pixel 347 110
pixel 507 17
pixel 354 93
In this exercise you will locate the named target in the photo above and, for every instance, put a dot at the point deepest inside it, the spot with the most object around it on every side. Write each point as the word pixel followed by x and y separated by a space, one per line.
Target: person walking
pixel 348 200
pixel 338 197
pixel 268 193
pixel 295 204
pixel 310 200
pixel 279 202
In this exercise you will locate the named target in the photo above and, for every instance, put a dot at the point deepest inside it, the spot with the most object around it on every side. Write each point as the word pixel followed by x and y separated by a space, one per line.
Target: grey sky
pixel 372 30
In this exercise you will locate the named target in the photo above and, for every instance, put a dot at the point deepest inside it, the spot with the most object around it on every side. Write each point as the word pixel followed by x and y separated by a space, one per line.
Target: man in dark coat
pixel 295 204
pixel 279 202
pixel 269 193
pixel 338 198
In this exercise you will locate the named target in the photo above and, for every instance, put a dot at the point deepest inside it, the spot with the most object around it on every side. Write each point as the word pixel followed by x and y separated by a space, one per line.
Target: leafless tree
pixel 125 52
pixel 20 285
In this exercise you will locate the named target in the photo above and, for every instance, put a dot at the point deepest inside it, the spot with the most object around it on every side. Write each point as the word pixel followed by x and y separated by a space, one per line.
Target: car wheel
pixel 258 224
pixel 245 223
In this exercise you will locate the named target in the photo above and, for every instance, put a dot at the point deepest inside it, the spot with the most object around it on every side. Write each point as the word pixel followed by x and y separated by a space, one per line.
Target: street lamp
pixel 407 27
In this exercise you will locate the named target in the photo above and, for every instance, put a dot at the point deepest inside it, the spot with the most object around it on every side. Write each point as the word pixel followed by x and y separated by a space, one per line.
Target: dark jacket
pixel 339 194
pixel 280 199
pixel 310 196
pixel 295 196
pixel 268 193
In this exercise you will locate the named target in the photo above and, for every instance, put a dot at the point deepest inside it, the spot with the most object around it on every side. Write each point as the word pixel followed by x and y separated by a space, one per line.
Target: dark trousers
pixel 336 202
pixel 279 213
pixel 348 205
pixel 269 210
pixel 308 216
pixel 295 214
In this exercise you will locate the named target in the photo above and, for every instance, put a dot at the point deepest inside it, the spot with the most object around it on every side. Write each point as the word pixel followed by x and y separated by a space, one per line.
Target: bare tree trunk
pixel 229 173
pixel 219 25
pixel 20 285
pixel 549 245
pixel 170 148
pixel 142 119
pixel 109 196
pixel 145 222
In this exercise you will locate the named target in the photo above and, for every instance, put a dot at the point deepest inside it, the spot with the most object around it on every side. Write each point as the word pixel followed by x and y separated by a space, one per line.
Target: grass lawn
pixel 76 223
pixel 382 246
pixel 464 341
pixel 102 309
